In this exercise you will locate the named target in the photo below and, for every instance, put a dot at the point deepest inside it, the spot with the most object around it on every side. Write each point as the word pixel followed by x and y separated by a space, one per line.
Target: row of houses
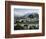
pixel 28 20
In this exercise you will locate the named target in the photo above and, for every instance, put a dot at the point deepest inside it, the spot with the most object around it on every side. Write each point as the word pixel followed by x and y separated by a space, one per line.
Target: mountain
pixel 34 15
pixel 30 15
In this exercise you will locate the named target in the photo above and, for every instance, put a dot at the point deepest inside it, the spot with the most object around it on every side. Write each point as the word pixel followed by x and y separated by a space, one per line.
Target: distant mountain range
pixel 32 15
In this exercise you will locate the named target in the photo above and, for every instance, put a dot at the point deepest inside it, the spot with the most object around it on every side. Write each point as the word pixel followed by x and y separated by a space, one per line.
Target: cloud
pixel 22 12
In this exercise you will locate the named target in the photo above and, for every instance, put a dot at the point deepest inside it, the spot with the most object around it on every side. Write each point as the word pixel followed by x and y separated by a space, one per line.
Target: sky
pixel 21 12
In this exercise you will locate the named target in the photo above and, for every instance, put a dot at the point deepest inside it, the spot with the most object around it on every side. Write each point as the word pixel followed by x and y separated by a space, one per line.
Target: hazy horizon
pixel 21 12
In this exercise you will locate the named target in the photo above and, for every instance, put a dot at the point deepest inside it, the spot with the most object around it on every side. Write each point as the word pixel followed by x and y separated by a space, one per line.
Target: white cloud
pixel 22 12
